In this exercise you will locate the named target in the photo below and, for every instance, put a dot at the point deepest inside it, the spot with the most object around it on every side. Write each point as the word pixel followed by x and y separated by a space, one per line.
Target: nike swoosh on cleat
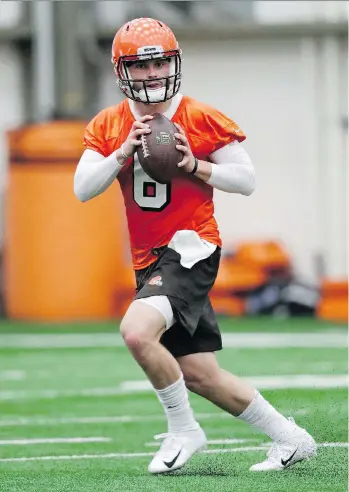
pixel 170 464
pixel 286 462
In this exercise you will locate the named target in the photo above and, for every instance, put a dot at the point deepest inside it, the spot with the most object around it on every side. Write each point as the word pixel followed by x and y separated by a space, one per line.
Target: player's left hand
pixel 188 161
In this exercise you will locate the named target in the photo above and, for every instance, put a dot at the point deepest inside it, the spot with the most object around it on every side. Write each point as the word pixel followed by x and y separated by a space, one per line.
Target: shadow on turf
pixel 220 470
pixel 203 470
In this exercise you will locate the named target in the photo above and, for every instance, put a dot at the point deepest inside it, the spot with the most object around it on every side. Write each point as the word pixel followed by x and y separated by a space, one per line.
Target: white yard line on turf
pixel 300 381
pixel 211 441
pixel 20 421
pixel 12 375
pixel 230 340
pixel 53 440
pixel 114 419
pixel 306 381
pixel 143 455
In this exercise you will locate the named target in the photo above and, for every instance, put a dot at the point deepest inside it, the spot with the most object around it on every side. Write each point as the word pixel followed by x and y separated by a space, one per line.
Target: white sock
pixel 175 400
pixel 261 415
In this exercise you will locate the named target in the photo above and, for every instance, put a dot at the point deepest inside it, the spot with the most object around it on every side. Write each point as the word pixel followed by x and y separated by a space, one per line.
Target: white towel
pixel 189 245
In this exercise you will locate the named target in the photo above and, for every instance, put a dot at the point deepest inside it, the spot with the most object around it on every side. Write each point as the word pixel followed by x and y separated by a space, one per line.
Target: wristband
pixel 196 165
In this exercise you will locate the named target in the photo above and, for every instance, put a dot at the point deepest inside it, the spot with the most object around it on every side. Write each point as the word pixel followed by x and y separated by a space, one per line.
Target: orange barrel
pixel 333 304
pixel 63 260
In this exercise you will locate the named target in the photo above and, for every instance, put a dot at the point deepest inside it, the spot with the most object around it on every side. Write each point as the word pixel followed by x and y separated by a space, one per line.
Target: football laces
pixel 145 148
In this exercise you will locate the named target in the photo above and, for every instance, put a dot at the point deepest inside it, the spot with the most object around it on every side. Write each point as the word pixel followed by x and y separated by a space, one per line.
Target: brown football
pixel 158 155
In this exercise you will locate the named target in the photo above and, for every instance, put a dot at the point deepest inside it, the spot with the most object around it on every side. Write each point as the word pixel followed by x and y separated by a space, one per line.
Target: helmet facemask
pixel 145 94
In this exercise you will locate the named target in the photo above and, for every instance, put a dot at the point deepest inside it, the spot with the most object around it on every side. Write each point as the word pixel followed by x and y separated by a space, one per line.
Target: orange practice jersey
pixel 156 211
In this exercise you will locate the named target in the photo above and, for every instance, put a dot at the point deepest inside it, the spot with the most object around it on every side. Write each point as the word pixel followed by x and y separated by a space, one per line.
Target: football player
pixel 170 327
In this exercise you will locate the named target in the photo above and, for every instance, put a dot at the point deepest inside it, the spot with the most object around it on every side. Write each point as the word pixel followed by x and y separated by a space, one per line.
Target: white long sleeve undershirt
pixel 232 172
pixel 94 174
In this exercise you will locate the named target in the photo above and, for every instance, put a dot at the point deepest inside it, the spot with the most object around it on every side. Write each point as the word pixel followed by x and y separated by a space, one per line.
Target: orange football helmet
pixel 146 39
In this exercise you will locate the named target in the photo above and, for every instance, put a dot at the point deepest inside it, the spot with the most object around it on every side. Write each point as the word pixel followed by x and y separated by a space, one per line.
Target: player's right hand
pixel 139 128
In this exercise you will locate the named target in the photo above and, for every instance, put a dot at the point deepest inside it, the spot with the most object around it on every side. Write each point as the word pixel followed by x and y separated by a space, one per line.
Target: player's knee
pixel 134 335
pixel 134 342
pixel 141 326
pixel 137 334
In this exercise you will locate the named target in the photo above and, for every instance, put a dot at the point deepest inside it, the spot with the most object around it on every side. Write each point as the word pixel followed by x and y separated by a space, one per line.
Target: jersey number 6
pixel 147 193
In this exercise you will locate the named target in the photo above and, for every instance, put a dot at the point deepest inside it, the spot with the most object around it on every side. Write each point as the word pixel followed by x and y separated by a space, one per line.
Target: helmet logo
pixel 150 50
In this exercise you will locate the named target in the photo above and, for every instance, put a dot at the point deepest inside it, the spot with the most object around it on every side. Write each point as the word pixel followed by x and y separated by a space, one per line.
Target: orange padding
pixel 251 266
pixel 228 305
pixel 265 254
pixel 334 287
pixel 333 310
pixel 233 277
pixel 63 260
pixel 54 141
pixel 333 305
pixel 124 293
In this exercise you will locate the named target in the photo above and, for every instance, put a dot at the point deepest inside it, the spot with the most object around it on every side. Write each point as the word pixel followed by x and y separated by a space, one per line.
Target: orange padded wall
pixel 64 260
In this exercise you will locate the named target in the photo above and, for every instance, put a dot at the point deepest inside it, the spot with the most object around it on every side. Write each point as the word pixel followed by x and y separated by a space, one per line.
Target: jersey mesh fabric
pixel 156 211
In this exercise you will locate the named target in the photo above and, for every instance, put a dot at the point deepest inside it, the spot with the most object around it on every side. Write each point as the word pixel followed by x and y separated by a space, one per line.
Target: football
pixel 158 155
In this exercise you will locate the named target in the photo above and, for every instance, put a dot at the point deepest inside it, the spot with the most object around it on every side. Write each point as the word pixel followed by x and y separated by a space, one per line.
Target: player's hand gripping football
pixel 139 128
pixel 188 161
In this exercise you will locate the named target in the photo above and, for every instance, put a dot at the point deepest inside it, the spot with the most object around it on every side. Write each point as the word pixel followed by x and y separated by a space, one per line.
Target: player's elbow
pixel 250 187
pixel 82 197
pixel 80 190
pixel 250 183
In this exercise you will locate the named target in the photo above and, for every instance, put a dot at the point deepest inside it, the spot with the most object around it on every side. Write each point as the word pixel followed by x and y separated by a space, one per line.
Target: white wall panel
pixel 294 11
pixel 260 85
pixel 12 110
pixel 10 13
